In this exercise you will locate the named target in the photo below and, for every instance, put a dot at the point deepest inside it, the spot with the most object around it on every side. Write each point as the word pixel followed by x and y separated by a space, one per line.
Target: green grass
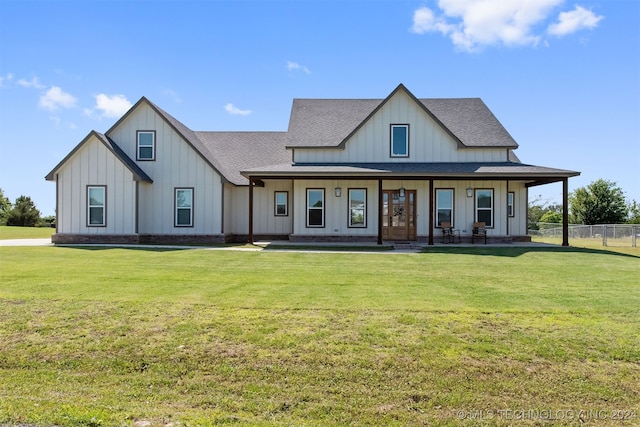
pixel 613 245
pixel 25 232
pixel 199 337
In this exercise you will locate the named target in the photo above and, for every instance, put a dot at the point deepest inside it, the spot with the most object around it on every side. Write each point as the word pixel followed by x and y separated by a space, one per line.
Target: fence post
pixel 604 235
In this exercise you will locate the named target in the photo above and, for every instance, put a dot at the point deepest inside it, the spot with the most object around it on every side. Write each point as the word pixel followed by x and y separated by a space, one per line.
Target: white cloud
pixel 34 83
pixel 55 98
pixel 6 78
pixel 473 24
pixel 294 66
pixel 232 109
pixel 575 20
pixel 112 105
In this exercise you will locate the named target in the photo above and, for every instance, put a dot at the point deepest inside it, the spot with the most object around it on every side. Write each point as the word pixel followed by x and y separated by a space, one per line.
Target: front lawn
pixel 7 232
pixel 452 336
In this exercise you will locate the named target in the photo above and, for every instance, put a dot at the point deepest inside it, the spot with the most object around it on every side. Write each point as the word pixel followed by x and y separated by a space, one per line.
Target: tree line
pixel 600 202
pixel 22 213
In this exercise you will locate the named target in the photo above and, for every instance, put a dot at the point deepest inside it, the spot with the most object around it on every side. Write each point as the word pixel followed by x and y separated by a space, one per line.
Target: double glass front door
pixel 399 215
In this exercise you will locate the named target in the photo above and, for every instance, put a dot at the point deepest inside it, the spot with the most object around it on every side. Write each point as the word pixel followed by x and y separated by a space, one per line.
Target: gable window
pixel 510 199
pixel 357 207
pixel 315 207
pixel 281 204
pixel 484 206
pixel 444 206
pixel 146 144
pixel 96 204
pixel 399 140
pixel 183 207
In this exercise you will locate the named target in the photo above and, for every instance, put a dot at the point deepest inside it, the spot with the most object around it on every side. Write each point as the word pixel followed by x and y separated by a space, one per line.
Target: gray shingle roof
pixel 318 123
pixel 329 122
pixel 236 151
pixel 461 169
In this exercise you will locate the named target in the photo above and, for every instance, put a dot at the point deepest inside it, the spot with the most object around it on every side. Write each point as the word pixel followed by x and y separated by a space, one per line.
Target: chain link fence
pixel 623 235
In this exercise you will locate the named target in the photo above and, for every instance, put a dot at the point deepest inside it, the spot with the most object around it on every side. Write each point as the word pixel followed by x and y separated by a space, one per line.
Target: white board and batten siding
pixel 176 165
pixel 428 141
pixel 265 221
pixel 95 165
pixel 464 207
pixel 337 208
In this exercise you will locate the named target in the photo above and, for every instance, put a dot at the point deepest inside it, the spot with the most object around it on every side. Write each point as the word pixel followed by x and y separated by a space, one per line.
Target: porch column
pixel 507 206
pixel 565 212
pixel 250 211
pixel 380 202
pixel 430 212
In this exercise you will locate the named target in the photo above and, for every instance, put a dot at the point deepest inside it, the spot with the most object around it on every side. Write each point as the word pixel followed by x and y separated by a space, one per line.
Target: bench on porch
pixel 479 231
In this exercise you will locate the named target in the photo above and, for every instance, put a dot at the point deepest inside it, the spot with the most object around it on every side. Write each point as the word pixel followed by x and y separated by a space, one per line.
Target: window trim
pixel 308 190
pixel 104 205
pixel 364 208
pixel 175 206
pixel 153 146
pixel 511 199
pixel 275 203
pixel 491 209
pixel 453 205
pixel 391 127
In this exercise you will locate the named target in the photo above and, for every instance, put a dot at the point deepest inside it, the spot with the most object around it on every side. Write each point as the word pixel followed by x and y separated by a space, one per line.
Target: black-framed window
pixel 315 207
pixel 399 140
pixel 96 206
pixel 281 200
pixel 358 207
pixel 146 145
pixel 183 207
pixel 444 206
pixel 510 203
pixel 484 206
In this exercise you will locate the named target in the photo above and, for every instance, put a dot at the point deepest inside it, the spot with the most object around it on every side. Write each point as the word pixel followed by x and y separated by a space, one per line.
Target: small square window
pixel 399 140
pixel 146 145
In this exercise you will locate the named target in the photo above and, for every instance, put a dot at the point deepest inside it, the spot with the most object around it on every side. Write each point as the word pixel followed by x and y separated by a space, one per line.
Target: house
pixel 355 170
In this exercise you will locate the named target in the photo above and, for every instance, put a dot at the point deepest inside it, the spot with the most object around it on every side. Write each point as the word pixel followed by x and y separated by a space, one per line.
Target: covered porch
pixel 404 200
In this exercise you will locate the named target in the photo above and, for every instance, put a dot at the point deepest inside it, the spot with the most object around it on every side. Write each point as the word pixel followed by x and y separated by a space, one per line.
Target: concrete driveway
pixel 26 242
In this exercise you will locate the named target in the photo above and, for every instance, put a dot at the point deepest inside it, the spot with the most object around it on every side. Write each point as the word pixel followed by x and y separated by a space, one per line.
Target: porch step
pixel 407 246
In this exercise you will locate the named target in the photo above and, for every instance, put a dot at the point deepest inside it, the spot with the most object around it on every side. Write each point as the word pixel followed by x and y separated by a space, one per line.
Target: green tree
pixel 5 207
pixel 551 216
pixel 601 202
pixel 537 210
pixel 634 212
pixel 24 213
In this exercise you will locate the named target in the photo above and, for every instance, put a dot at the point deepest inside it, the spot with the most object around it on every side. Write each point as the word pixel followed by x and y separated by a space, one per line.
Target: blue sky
pixel 562 76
